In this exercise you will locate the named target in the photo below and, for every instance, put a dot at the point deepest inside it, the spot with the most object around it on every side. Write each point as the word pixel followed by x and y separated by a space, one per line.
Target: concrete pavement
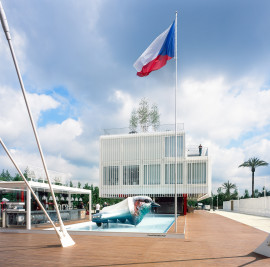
pixel 258 222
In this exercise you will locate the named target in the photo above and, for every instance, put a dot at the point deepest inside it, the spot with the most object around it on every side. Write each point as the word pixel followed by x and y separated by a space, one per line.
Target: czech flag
pixel 157 54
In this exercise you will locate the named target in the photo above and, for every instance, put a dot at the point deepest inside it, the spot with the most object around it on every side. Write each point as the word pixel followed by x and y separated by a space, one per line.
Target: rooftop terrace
pixel 148 129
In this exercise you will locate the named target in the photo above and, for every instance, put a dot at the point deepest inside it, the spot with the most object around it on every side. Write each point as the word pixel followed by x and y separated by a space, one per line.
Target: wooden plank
pixel 211 240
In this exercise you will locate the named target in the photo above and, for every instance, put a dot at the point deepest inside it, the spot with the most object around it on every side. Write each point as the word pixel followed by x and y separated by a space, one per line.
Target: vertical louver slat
pixel 144 164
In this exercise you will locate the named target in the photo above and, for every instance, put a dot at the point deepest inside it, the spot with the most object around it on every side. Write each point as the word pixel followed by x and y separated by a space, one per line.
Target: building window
pixel 131 175
pixel 170 146
pixel 170 173
pixel 152 174
pixel 197 173
pixel 111 175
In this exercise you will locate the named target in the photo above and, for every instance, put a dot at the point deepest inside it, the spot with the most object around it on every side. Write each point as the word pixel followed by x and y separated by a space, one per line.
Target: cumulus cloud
pixel 8 74
pixel 65 147
pixel 125 104
pixel 222 110
pixel 57 166
pixel 15 125
pixel 63 139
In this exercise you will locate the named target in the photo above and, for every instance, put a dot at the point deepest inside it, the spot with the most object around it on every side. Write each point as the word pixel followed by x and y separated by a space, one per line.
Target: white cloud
pixel 60 139
pixel 15 126
pixel 68 170
pixel 6 164
pixel 125 104
pixel 225 162
pixel 65 149
pixel 84 174
pixel 224 111
pixel 20 43
pixel 68 141
pixel 40 103
pixel 55 134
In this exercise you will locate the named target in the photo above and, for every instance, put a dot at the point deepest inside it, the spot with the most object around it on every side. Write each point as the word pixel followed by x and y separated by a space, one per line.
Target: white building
pixel 144 164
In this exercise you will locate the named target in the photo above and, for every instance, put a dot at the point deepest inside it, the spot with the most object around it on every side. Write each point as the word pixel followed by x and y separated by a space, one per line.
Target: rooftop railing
pixel 194 151
pixel 37 174
pixel 145 129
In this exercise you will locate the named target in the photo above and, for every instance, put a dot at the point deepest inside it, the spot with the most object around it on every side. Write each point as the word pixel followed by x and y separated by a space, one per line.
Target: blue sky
pixel 76 58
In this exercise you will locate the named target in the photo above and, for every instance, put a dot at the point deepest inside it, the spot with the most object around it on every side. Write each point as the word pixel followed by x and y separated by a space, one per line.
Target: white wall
pixel 227 205
pixel 254 206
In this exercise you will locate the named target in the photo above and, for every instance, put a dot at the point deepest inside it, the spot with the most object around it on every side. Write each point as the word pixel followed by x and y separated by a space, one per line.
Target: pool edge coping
pixel 98 233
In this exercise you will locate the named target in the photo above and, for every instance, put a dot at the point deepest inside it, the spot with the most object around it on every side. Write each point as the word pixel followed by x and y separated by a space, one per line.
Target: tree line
pixel 228 191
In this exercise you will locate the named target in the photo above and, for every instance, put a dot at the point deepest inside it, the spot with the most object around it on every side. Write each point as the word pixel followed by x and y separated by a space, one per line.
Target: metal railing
pixel 193 151
pixel 37 174
pixel 145 129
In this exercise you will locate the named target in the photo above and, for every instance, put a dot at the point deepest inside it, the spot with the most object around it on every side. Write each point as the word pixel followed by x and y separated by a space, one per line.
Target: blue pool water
pixel 151 223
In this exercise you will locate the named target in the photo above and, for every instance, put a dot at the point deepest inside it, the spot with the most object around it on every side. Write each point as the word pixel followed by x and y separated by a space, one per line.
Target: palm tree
pixel 253 163
pixel 228 187
pixel 219 190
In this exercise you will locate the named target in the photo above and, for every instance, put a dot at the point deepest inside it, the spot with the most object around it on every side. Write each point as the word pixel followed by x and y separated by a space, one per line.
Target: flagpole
pixel 65 238
pixel 175 178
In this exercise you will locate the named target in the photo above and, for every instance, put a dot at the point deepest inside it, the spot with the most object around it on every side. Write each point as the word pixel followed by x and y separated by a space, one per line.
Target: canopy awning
pixel 44 187
pixel 203 197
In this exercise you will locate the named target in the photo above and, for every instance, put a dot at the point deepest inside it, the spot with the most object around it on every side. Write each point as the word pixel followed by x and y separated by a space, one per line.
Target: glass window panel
pixel 131 175
pixel 152 174
pixel 111 175
pixel 170 173
pixel 170 146
pixel 197 173
pixel 145 175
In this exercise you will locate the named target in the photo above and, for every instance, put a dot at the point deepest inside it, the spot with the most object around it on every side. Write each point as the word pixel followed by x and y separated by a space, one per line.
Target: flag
pixel 157 54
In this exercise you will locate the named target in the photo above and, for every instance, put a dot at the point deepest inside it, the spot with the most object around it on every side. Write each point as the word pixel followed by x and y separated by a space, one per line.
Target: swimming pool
pixel 151 223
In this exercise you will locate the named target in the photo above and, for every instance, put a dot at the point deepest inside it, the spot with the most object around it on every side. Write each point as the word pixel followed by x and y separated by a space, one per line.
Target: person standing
pixel 200 150
pixel 97 208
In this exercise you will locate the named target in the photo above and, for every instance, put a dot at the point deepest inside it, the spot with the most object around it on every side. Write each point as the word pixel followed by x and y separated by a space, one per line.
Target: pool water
pixel 151 223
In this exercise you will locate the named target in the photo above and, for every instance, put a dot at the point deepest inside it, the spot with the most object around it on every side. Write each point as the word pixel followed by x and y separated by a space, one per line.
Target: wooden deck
pixel 211 240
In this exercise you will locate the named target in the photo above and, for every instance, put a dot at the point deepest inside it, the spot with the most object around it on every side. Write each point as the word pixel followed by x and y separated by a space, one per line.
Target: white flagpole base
pixel 66 240
pixel 64 236
pixel 264 248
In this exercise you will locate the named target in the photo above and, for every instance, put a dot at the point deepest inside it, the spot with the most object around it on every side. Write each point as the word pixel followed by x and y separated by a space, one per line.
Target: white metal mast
pixel 65 238
pixel 175 178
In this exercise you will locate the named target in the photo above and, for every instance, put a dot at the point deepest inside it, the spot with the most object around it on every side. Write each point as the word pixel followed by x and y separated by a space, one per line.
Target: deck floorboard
pixel 211 240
